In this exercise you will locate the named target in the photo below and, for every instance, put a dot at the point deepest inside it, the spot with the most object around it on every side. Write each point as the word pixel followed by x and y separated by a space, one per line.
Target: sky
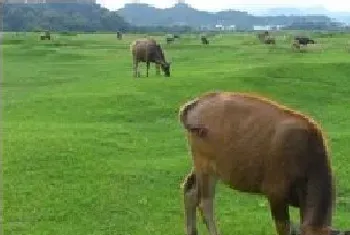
pixel 207 5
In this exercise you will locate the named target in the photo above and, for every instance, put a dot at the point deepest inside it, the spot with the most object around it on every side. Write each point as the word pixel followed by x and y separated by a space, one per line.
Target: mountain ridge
pixel 341 16
pixel 183 14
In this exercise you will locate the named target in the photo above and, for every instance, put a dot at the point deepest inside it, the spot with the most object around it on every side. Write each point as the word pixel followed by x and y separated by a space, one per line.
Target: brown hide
pixel 263 35
pixel 119 35
pixel 148 51
pixel 257 146
pixel 144 50
pixel 269 40
pixel 204 40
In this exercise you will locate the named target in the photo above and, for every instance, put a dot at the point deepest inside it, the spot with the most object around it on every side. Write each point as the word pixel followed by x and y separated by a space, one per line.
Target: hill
pixel 183 14
pixel 142 18
pixel 343 17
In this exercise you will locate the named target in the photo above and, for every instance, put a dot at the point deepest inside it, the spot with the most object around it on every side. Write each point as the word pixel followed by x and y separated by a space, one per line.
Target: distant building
pixel 231 28
pixel 217 27
pixel 220 27
pixel 262 27
pixel 267 27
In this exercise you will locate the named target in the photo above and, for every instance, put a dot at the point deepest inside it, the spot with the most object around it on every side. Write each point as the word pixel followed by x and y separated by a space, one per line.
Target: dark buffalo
pixel 47 36
pixel 148 51
pixel 119 35
pixel 262 36
pixel 204 40
pixel 257 146
pixel 304 40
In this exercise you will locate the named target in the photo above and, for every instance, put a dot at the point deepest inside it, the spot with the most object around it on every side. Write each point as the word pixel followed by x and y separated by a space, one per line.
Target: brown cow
pixel 47 36
pixel 295 44
pixel 255 145
pixel 204 40
pixel 147 50
pixel 304 40
pixel 119 35
pixel 263 35
pixel 170 38
pixel 269 40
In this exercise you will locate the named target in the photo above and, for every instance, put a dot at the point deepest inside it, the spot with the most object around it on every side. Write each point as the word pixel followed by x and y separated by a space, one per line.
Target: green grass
pixel 89 150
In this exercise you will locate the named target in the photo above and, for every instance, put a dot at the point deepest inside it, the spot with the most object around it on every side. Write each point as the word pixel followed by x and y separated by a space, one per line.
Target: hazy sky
pixel 334 5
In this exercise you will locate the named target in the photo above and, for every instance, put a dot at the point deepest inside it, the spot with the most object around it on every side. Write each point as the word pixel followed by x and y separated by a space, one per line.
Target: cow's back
pixel 245 138
pixel 142 49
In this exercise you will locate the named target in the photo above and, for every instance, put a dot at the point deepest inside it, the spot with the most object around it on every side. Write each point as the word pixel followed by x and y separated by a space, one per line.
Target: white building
pixel 267 27
pixel 262 27
pixel 221 27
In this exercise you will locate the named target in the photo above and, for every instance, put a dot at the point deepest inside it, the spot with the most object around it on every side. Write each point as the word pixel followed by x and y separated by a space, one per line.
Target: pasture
pixel 89 150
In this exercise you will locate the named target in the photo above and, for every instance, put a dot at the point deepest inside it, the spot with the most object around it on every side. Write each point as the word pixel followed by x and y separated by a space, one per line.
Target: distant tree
pixel 61 17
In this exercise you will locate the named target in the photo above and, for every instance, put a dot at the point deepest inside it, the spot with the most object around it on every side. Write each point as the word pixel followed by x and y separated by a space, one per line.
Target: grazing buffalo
pixel 204 40
pixel 257 146
pixel 47 36
pixel 304 40
pixel 295 44
pixel 148 51
pixel 170 38
pixel 263 35
pixel 269 40
pixel 119 35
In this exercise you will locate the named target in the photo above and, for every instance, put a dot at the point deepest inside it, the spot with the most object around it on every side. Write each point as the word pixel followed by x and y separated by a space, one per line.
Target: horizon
pixel 242 5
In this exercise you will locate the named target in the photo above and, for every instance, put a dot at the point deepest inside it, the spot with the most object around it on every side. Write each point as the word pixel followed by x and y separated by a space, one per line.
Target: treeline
pixel 72 17
pixel 61 17
pixel 332 26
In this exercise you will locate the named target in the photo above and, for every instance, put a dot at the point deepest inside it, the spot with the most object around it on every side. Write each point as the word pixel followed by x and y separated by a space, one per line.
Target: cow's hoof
pixel 194 232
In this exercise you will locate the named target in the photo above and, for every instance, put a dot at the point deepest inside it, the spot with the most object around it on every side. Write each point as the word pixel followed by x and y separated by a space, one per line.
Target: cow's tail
pixel 184 110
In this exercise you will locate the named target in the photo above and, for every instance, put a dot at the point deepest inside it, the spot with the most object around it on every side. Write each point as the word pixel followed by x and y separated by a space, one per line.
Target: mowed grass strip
pixel 89 150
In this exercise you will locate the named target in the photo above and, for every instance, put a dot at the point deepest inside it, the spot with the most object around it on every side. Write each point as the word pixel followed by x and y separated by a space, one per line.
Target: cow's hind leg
pixel 191 201
pixel 280 214
pixel 200 209
pixel 147 65
pixel 157 69
pixel 135 69
pixel 206 185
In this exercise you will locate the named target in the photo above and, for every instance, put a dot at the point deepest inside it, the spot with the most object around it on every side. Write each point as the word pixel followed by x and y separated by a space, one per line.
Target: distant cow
pixel 148 51
pixel 263 35
pixel 204 40
pixel 269 40
pixel 304 40
pixel 170 38
pixel 119 35
pixel 47 36
pixel 257 146
pixel 295 44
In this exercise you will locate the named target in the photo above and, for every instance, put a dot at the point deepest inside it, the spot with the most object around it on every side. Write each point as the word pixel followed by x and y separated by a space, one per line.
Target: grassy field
pixel 89 150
